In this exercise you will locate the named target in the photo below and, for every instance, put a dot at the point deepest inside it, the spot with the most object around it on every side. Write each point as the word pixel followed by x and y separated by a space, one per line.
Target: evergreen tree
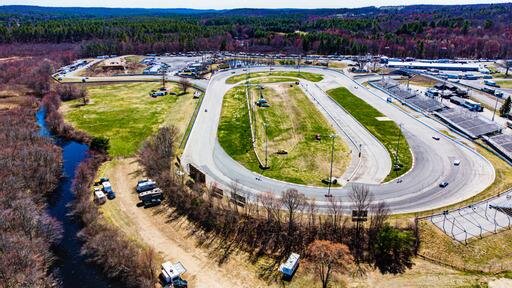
pixel 505 108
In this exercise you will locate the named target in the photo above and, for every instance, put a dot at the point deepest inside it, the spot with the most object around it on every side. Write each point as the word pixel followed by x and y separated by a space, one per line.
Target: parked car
pixel 107 189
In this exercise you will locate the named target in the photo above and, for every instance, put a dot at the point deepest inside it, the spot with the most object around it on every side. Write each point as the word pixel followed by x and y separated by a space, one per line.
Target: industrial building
pixel 434 65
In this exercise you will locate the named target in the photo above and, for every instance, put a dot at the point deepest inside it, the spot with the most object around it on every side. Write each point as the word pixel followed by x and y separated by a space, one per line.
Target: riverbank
pixel 71 266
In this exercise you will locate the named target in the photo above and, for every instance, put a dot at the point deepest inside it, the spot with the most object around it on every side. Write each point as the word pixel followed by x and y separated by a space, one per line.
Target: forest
pixel 423 31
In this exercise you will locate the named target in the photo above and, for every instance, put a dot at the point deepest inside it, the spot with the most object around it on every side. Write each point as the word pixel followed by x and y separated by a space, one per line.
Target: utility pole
pixel 495 106
pixel 333 136
pixel 298 64
pixel 164 71
pixel 266 145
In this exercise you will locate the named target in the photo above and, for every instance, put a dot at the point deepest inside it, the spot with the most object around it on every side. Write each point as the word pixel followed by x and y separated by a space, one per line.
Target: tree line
pixel 461 31
pixel 30 167
pixel 277 225
pixel 29 171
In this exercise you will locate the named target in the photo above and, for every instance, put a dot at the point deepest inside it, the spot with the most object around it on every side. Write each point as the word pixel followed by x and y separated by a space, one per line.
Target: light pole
pixel 330 170
pixel 266 145
pixel 495 106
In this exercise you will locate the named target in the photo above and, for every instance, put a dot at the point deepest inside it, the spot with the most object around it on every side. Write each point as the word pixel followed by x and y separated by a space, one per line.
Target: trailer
pixel 151 198
pixel 291 264
pixel 107 189
pixel 488 90
pixel 99 197
pixel 457 100
pixel 171 275
pixel 491 83
pixel 472 105
pixel 145 185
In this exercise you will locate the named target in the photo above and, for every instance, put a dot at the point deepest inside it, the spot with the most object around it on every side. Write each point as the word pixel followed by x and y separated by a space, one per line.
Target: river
pixel 73 269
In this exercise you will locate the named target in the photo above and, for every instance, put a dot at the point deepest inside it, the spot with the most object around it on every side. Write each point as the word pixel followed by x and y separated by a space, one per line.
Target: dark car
pixel 443 184
pixel 111 195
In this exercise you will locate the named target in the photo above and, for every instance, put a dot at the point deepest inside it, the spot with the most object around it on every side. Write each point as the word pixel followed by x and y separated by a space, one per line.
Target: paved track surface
pixel 418 189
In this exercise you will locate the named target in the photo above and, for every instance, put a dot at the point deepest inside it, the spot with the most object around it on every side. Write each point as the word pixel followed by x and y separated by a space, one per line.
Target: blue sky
pixel 225 4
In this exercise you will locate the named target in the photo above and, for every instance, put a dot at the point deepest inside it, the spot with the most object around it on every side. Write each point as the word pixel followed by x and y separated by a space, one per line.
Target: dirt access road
pixel 170 238
pixel 172 241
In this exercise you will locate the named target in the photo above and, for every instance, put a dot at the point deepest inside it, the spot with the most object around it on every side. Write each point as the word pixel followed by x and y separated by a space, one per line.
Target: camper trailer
pixel 145 185
pixel 291 264
pixel 151 198
pixel 171 274
pixel 99 197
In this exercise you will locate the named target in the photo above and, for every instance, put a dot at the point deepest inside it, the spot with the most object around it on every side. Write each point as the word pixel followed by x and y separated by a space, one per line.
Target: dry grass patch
pixel 491 254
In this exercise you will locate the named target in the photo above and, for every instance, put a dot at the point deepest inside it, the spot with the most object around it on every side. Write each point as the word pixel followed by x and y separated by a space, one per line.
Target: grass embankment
pixel 490 254
pixel 504 83
pixel 313 77
pixel 387 132
pixel 292 122
pixel 127 115
pixel 421 81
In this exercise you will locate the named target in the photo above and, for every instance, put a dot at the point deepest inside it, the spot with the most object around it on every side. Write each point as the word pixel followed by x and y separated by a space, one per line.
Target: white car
pixel 435 137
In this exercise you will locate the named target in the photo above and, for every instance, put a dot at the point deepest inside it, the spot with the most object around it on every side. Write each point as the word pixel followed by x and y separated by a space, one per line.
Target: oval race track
pixel 418 190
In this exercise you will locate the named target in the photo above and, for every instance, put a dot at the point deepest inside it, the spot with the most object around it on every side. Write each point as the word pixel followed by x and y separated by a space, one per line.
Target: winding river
pixel 72 268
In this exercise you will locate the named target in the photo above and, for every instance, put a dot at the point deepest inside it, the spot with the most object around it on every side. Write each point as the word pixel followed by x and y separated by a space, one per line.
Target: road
pixel 418 189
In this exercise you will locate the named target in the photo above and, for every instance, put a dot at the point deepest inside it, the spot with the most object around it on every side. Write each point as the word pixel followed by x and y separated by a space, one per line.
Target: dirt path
pixel 173 243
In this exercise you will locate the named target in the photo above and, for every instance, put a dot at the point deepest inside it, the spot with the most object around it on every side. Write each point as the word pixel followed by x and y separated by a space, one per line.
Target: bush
pixel 100 144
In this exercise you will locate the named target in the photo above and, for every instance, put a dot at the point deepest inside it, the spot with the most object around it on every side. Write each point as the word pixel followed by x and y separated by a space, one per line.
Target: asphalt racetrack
pixel 415 191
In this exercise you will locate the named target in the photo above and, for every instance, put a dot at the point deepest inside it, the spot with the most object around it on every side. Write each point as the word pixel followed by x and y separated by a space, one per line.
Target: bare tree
pixel 336 211
pixel 271 204
pixel 292 201
pixel 184 84
pixel 361 198
pixel 312 210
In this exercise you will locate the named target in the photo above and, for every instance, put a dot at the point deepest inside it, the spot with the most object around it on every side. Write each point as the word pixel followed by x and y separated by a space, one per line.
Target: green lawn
pixel 272 79
pixel 127 115
pixel 387 132
pixel 313 77
pixel 504 83
pixel 292 122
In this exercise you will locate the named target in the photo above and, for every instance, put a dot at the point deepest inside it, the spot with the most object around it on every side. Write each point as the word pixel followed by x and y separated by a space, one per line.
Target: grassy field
pixel 387 132
pixel 491 254
pixel 292 122
pixel 421 81
pixel 313 77
pixel 127 115
pixel 504 83
pixel 272 79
